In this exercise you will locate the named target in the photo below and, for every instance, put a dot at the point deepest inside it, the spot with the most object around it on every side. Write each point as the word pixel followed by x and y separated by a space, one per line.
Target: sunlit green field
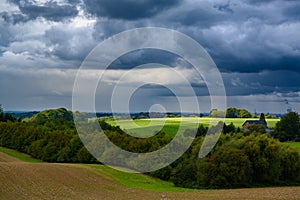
pixel 295 145
pixel 170 126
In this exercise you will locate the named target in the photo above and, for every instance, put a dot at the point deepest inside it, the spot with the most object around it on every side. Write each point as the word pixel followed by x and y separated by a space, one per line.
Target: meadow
pixel 295 145
pixel 148 127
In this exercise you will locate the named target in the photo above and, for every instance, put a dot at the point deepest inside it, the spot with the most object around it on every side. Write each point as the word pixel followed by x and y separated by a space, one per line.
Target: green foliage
pixel 217 113
pixel 51 141
pixel 4 117
pixel 263 118
pixel 227 167
pixel 231 113
pixel 288 128
pixel 239 161
pixel 56 140
pixel 237 113
pixel 290 164
pixel 202 130
pixel 229 128
pixel 255 129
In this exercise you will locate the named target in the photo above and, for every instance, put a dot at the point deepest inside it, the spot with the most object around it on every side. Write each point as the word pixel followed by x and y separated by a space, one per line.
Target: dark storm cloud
pixel 199 16
pixel 257 64
pixel 293 12
pixel 202 14
pixel 13 18
pixel 127 9
pixel 50 11
pixel 266 82
pixel 243 36
pixel 258 1
pixel 144 56
pixel 5 37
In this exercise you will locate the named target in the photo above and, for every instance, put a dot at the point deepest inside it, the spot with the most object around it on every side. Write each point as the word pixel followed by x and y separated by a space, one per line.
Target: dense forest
pixel 239 159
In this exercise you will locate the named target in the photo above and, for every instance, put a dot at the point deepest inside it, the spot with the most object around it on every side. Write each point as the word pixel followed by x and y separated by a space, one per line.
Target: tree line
pixel 236 161
pixel 4 117
pixel 230 113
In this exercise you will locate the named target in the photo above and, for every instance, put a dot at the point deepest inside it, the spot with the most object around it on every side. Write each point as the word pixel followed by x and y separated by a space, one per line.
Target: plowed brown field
pixel 20 180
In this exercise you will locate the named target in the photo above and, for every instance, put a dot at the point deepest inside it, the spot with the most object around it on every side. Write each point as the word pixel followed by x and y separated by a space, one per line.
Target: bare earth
pixel 20 180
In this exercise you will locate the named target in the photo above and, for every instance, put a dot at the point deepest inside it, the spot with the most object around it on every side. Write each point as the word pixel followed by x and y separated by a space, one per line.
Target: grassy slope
pixel 18 155
pixel 137 181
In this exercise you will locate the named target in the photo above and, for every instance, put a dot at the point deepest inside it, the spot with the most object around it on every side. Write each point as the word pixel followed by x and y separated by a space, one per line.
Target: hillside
pixel 52 114
pixel 24 180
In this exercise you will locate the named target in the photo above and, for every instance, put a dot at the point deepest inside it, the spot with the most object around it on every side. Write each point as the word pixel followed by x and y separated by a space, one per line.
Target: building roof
pixel 258 122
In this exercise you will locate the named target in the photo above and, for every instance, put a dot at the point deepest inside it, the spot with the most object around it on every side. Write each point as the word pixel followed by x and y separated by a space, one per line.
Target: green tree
pixel 288 128
pixel 201 131
pixel 242 113
pixel 255 129
pixel 1 113
pixel 232 113
pixel 217 113
pixel 4 117
pixel 263 118
pixel 84 156
pixel 229 128
pixel 237 113
pixel 232 166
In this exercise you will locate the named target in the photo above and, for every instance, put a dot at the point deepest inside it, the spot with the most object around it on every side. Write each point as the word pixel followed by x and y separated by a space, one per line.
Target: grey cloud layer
pixel 128 9
pixel 50 11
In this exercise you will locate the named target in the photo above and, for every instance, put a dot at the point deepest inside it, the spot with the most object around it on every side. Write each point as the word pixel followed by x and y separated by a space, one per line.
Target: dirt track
pixel 20 180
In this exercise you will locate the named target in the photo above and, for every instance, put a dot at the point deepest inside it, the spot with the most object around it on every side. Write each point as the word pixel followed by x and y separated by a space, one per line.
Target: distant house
pixel 256 122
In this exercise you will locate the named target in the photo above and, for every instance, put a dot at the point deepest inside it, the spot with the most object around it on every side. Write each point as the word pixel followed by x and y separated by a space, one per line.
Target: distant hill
pixel 22 114
pixel 52 114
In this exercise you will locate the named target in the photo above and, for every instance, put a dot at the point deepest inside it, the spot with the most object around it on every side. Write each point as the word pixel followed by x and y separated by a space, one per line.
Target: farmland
pixel 170 125
pixel 29 180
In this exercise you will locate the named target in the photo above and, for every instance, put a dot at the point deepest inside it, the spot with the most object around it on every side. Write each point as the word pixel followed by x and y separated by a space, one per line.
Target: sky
pixel 255 45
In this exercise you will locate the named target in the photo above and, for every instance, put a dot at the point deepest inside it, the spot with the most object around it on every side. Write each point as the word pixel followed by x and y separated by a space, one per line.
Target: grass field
pixel 148 127
pixel 137 181
pixel 295 145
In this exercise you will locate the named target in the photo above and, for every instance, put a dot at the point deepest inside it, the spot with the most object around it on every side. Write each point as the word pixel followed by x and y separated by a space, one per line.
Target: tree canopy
pixel 231 113
pixel 288 128
pixel 4 117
